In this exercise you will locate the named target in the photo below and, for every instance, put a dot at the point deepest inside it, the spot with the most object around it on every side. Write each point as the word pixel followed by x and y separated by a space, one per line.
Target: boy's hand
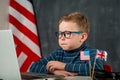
pixel 53 65
pixel 63 73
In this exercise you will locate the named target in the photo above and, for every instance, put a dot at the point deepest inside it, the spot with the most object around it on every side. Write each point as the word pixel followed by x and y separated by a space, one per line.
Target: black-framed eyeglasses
pixel 66 34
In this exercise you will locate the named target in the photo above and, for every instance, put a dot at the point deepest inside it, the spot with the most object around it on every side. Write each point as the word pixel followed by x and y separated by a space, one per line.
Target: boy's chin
pixel 66 49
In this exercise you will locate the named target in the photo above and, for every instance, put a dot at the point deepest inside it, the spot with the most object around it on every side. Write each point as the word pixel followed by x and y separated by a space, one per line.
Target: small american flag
pixel 84 55
pixel 23 25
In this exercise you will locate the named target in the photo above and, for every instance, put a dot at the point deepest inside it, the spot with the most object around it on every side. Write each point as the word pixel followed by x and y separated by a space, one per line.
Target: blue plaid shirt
pixel 72 60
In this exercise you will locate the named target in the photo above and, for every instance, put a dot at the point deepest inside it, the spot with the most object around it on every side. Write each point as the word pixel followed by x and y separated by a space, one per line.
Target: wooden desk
pixel 38 76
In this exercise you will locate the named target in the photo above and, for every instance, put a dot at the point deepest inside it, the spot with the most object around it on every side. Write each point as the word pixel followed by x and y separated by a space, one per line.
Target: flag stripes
pixel 21 9
pixel 24 39
pixel 22 19
pixel 22 23
pixel 24 30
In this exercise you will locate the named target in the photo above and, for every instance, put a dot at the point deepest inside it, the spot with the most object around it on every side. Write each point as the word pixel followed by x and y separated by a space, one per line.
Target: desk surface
pixel 77 78
pixel 98 76
pixel 37 76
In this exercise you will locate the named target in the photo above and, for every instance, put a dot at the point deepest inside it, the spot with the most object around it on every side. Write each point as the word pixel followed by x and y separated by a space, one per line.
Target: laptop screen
pixel 9 68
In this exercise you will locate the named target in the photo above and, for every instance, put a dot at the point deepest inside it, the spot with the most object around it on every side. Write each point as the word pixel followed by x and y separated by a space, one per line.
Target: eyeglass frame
pixel 67 33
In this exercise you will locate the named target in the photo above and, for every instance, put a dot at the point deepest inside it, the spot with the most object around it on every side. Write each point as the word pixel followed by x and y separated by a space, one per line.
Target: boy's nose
pixel 62 37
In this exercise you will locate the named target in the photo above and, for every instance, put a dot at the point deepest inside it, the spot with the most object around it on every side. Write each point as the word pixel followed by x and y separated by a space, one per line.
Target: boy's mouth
pixel 63 44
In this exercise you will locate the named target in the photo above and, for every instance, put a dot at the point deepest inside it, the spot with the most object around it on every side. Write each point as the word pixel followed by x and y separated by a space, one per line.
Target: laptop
pixel 9 68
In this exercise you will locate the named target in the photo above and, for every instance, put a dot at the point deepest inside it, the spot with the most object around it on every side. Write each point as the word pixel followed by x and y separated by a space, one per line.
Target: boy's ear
pixel 84 37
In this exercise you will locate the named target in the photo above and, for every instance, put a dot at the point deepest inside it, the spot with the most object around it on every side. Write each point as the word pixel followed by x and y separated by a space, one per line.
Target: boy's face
pixel 72 41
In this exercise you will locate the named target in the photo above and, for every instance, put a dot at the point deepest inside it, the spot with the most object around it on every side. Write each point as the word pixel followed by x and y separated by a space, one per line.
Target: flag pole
pixel 93 69
pixel 90 69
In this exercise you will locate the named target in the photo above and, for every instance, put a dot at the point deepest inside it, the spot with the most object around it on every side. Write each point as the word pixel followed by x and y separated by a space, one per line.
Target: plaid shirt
pixel 72 60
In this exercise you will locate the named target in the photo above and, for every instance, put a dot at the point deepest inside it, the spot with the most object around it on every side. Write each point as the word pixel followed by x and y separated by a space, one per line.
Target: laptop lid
pixel 9 68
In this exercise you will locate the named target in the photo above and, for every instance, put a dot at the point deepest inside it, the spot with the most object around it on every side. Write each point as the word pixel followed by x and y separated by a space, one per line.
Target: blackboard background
pixel 104 17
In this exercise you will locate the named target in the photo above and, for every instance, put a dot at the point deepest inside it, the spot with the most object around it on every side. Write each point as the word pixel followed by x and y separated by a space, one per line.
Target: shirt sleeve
pixel 40 66
pixel 81 69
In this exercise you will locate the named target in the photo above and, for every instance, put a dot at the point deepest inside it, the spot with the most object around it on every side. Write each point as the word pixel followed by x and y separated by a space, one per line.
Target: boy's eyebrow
pixel 72 31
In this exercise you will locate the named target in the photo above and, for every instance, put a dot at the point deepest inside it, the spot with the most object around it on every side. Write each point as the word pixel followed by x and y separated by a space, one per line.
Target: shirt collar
pixel 82 47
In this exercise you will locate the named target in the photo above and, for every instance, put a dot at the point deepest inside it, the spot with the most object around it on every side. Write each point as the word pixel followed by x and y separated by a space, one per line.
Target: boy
pixel 67 60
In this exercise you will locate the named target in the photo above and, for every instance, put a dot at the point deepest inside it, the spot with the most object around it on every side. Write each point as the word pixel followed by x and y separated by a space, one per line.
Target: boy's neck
pixel 82 47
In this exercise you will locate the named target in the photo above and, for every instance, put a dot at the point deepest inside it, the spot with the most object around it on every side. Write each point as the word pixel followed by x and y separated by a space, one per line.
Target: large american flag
pixel 23 25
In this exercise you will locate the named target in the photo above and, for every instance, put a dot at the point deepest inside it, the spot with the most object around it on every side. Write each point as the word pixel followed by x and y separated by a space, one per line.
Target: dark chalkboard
pixel 104 17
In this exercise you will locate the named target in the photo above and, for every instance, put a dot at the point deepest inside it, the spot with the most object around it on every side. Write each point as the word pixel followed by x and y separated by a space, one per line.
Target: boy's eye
pixel 66 34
